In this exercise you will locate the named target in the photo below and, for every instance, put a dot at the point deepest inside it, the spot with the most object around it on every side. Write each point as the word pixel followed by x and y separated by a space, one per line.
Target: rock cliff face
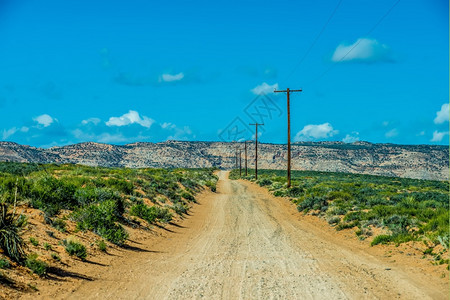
pixel 413 161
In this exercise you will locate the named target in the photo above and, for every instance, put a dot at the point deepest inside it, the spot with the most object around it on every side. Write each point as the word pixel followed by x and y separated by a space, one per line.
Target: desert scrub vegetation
pixel 404 209
pixel 102 200
pixel 36 265
pixel 75 248
pixel 52 214
pixel 151 214
pixel 11 241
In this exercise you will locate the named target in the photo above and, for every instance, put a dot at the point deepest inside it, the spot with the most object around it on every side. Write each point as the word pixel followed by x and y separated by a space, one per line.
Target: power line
pixel 315 41
pixel 357 43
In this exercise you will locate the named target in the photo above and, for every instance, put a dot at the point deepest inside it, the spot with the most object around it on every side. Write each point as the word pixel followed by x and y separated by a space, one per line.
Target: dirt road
pixel 242 243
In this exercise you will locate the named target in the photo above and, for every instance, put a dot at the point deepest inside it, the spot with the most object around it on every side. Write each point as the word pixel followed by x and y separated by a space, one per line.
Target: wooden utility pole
pixel 256 148
pixel 246 170
pixel 236 157
pixel 240 163
pixel 288 91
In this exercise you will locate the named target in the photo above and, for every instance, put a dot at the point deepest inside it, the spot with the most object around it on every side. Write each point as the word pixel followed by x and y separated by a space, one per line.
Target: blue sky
pixel 122 72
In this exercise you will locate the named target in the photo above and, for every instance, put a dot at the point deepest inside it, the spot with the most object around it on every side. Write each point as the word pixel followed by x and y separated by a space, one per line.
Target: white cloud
pixel 442 115
pixel 170 77
pixel 253 137
pixel 438 136
pixel 354 137
pixel 168 125
pixel 363 50
pixel 94 121
pixel 44 120
pixel 264 88
pixel 132 117
pixel 314 132
pixel 7 133
pixel 391 133
pixel 106 137
pixel 180 133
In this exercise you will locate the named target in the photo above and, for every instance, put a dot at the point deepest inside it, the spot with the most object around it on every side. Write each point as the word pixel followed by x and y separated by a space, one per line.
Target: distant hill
pixel 413 161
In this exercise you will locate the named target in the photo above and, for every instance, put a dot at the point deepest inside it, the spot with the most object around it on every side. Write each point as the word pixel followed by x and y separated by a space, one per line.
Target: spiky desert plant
pixel 10 240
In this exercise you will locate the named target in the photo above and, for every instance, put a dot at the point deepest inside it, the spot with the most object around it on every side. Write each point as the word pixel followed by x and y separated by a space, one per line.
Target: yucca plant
pixel 10 240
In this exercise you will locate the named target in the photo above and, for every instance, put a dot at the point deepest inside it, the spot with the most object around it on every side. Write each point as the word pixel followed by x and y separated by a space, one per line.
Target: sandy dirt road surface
pixel 243 243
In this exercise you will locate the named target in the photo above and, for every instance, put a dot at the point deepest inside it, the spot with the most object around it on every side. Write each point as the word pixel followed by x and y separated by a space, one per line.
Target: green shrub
pixel 50 194
pixel 120 185
pixel 264 182
pixel 281 193
pixel 59 224
pixel 19 169
pixel 334 220
pixel 55 256
pixel 10 240
pixel 101 245
pixel 444 241
pixel 47 246
pixel 4 263
pixel 189 183
pixel 151 213
pixel 212 185
pixel 34 241
pixel 74 247
pixel 163 214
pixel 381 239
pixel 35 265
pixel 180 208
pixel 347 225
pixel 188 196
pixel 101 219
pixel 115 233
pixel 335 210
pixel 295 191
pixel 341 195
pixel 313 202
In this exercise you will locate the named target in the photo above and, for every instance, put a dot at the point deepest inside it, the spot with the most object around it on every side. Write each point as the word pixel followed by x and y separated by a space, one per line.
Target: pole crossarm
pixel 285 91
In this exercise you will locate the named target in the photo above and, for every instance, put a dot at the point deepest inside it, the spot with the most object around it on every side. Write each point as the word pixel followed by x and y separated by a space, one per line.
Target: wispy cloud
pixel 132 117
pixel 314 132
pixel 8 132
pixel 167 125
pixel 183 133
pixel 264 88
pixel 351 138
pixel 94 121
pixel 443 114
pixel 104 137
pixel 438 136
pixel 170 78
pixel 391 133
pixel 363 50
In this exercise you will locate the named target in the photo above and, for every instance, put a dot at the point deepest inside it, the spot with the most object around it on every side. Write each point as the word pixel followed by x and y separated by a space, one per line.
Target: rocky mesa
pixel 412 161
